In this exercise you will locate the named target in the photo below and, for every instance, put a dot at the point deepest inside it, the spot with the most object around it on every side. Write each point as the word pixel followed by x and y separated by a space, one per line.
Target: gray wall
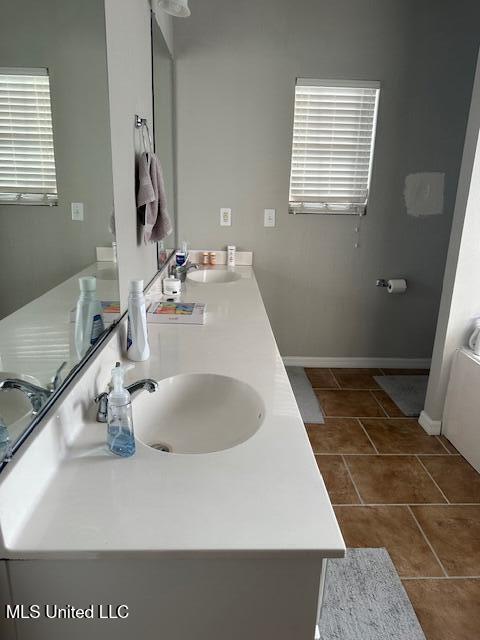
pixel 236 68
pixel 41 246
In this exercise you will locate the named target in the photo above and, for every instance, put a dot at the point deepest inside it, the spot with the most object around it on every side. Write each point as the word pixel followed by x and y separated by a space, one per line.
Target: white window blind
pixel 27 160
pixel 333 141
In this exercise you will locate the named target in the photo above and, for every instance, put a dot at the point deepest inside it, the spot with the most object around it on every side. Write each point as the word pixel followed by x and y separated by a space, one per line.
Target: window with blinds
pixel 333 142
pixel 27 160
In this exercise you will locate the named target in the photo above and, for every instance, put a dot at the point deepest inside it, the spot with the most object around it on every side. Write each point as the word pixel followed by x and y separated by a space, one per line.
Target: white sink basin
pixel 197 413
pixel 213 276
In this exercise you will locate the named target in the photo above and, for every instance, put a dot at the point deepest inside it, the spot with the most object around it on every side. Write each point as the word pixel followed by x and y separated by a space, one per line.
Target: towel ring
pixel 142 123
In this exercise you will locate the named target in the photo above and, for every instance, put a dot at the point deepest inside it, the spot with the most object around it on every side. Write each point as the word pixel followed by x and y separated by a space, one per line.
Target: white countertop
pixel 265 495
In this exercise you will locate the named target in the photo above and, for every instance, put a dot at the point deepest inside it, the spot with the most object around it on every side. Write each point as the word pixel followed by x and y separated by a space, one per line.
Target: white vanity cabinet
pixel 176 599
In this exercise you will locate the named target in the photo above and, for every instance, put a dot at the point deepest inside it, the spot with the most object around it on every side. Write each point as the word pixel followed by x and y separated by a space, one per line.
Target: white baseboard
pixel 360 363
pixel 432 427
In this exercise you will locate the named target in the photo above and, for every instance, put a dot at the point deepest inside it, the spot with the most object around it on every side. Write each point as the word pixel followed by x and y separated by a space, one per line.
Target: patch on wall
pixel 423 194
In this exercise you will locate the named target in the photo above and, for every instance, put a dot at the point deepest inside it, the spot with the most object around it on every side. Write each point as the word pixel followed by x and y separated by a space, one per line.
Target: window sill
pixel 28 203
pixel 326 211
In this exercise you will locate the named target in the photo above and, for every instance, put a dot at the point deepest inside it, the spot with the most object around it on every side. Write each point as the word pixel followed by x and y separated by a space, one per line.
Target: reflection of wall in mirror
pixel 163 110
pixel 42 246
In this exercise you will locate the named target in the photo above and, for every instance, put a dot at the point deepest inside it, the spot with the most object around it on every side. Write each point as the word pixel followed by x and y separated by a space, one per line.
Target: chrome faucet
pixel 38 396
pixel 102 400
pixel 181 271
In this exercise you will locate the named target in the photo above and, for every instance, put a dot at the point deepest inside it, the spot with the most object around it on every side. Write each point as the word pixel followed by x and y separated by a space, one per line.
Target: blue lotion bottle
pixel 120 437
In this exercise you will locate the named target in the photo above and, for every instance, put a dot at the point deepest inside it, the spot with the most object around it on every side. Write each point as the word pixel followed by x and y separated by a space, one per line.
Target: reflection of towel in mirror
pixel 151 195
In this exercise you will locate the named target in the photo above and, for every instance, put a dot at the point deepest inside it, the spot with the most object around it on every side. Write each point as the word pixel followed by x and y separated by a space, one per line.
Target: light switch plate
pixel 269 218
pixel 77 211
pixel 225 217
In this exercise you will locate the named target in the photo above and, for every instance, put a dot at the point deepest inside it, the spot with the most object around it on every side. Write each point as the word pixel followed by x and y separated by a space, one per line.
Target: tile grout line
pixel 335 378
pixel 347 504
pixel 440 578
pixel 406 504
pixel 377 452
pixel 395 418
pixel 353 481
pixel 379 404
pixel 441 442
pixel 429 455
pixel 432 478
pixel 427 541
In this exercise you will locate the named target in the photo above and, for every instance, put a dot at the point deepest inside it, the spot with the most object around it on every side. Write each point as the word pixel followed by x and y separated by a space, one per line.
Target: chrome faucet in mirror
pixel 38 396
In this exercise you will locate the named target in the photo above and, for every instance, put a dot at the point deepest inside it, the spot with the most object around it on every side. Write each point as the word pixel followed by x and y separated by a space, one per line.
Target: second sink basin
pixel 198 413
pixel 218 276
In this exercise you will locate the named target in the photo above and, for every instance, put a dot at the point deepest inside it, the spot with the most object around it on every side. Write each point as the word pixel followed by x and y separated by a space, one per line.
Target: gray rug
pixel 305 396
pixel 365 600
pixel 407 392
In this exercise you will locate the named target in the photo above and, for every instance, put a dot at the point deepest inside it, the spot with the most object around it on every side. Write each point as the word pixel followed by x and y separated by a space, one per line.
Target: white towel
pixel 152 197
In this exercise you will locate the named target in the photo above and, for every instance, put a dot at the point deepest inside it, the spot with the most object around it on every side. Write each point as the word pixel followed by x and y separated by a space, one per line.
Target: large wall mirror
pixel 59 284
pixel 56 200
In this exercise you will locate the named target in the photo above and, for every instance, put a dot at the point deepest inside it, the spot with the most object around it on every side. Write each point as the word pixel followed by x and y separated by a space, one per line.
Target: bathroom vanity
pixel 227 537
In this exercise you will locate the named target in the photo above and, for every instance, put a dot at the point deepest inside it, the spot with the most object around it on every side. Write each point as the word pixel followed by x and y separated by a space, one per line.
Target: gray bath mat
pixel 365 600
pixel 305 396
pixel 407 392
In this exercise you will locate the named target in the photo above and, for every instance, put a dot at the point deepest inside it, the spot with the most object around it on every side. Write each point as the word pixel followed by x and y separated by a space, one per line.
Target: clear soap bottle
pixel 120 436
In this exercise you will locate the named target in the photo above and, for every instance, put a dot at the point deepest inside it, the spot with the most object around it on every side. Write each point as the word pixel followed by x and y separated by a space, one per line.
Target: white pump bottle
pixel 138 348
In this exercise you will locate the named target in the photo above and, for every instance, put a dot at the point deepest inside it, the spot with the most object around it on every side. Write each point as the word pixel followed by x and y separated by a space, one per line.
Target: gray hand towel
pixel 151 195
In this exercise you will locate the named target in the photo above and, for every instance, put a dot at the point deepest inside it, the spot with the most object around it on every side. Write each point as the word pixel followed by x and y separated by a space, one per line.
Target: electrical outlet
pixel 77 211
pixel 269 218
pixel 225 217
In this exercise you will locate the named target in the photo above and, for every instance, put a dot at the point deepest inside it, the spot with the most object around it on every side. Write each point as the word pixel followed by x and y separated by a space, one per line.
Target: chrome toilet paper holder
pixel 381 282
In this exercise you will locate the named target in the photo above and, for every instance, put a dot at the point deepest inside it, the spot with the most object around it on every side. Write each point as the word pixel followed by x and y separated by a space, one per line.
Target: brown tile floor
pixel 344 403
pixel 339 435
pixel 393 480
pixel 447 609
pixel 394 486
